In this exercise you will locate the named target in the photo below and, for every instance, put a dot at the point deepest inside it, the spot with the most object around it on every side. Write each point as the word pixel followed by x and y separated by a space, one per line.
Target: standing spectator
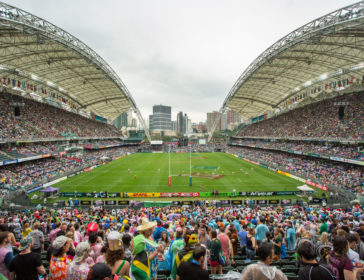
pixel 99 271
pixel 194 270
pixel 115 255
pixel 311 268
pixel 352 255
pixel 225 244
pixel 324 227
pixel 203 237
pixel 53 234
pixel 262 270
pixel 291 237
pixel 95 247
pixel 242 237
pixel 78 269
pixel 26 265
pixel 277 241
pixel 59 261
pixel 38 239
pixel 361 231
pixel 339 261
pixel 26 230
pixel 233 240
pixel 185 255
pixel 5 255
pixel 215 250
pixel 260 231
pixel 250 245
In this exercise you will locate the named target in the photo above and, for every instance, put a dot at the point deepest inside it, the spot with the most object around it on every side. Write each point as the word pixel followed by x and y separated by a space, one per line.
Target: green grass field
pixel 115 177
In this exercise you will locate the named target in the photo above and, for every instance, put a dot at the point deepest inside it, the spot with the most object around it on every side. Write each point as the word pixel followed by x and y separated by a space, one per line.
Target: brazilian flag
pixel 140 266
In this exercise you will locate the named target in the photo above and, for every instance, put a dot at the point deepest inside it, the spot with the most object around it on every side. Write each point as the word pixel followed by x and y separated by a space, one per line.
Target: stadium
pixel 301 144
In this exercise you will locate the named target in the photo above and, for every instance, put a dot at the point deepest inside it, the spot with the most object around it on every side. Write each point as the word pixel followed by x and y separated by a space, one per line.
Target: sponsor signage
pixel 236 202
pixel 110 202
pixel 123 202
pixel 316 200
pixel 85 202
pixel 262 201
pixel 186 202
pixel 225 202
pixel 175 203
pixel 98 202
pixel 34 189
pixel 286 201
pixel 273 201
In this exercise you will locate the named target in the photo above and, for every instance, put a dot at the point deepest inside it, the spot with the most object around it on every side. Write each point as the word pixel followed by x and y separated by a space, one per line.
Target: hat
pixel 114 240
pixel 91 227
pixel 99 271
pixel 59 243
pixel 80 251
pixel 24 243
pixel 146 224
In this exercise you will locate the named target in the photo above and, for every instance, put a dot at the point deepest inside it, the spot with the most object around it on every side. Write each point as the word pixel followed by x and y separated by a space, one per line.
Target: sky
pixel 186 54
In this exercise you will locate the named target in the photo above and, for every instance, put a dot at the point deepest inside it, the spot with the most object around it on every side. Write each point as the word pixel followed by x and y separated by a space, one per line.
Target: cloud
pixel 186 54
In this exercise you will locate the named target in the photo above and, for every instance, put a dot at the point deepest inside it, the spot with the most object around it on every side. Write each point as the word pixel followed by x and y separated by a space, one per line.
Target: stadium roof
pixel 39 53
pixel 317 52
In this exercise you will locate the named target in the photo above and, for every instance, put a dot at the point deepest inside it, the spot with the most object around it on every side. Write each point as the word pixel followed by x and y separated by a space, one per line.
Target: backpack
pixel 322 252
pixel 283 251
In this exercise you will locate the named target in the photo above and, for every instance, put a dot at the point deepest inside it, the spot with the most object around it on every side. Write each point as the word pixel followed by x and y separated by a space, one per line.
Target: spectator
pixel 26 265
pixel 78 269
pixel 115 255
pixel 339 261
pixel 312 269
pixel 6 255
pixel 262 270
pixel 59 263
pixel 38 239
pixel 194 270
pixel 100 271
pixel 215 250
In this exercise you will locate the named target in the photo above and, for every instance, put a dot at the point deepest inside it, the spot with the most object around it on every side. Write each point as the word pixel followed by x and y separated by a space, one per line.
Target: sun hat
pixel 24 243
pixel 114 240
pixel 81 250
pixel 146 224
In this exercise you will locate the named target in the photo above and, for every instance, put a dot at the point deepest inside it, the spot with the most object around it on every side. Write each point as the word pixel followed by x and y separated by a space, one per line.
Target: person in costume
pixel 144 265
pixel 190 239
pixel 115 255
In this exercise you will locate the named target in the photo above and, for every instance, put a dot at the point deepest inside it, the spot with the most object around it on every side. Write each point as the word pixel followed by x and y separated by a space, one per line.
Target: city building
pixel 181 124
pixel 161 118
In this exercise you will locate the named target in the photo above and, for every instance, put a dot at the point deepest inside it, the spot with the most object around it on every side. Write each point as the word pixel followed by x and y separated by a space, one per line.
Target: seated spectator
pixel 262 270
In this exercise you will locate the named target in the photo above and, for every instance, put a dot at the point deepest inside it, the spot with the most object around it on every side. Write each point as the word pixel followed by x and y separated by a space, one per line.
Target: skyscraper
pixel 180 123
pixel 161 118
pixel 211 119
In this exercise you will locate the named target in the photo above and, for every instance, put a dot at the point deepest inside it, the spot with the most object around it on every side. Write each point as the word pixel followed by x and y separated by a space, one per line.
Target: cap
pixel 59 243
pixel 99 271
pixel 81 250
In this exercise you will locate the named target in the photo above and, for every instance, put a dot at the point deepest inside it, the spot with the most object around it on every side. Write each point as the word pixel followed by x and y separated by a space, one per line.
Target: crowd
pixel 182 243
pixel 325 172
pixel 355 151
pixel 38 120
pixel 28 173
pixel 318 120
